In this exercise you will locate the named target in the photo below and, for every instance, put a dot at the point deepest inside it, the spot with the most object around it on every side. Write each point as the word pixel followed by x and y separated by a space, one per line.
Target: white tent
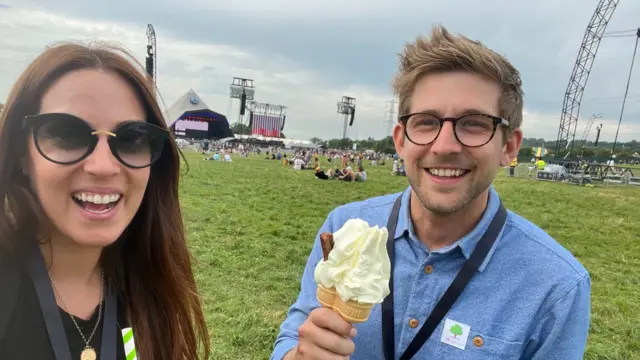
pixel 190 117
pixel 300 145
pixel 190 101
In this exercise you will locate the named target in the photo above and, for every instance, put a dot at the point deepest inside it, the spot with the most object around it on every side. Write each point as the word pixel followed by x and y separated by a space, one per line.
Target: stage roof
pixel 190 101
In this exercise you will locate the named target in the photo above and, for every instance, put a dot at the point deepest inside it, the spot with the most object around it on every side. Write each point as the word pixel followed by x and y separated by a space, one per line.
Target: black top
pixel 26 337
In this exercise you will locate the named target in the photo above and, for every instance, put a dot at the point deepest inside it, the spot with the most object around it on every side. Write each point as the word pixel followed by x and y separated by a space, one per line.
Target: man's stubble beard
pixel 473 190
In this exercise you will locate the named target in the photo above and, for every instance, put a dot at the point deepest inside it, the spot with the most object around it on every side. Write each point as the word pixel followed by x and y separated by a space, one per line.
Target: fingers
pixel 325 335
pixel 328 319
pixel 316 353
pixel 312 337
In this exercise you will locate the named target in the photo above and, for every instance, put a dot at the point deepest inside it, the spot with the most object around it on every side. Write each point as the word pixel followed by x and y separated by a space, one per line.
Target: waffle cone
pixel 326 297
pixel 352 311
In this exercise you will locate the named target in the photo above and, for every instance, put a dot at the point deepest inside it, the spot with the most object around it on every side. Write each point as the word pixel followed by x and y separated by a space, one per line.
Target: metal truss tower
pixel 347 107
pixel 390 116
pixel 580 74
pixel 587 129
pixel 244 90
pixel 152 53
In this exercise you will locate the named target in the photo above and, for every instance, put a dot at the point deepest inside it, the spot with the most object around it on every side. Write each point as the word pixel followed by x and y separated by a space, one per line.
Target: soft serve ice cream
pixel 356 268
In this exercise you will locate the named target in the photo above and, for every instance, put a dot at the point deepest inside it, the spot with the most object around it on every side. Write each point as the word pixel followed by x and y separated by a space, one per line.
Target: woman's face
pixel 91 202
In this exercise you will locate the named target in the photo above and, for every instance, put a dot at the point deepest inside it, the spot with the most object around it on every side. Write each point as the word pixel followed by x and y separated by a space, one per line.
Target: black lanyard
pixel 450 296
pixel 53 320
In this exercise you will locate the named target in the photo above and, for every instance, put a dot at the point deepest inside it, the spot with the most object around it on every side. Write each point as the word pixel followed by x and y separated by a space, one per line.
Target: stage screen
pixel 203 124
pixel 182 125
pixel 266 125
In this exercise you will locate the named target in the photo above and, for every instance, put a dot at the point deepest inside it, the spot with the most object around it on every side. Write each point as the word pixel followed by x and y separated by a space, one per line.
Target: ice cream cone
pixel 354 261
pixel 326 297
pixel 351 311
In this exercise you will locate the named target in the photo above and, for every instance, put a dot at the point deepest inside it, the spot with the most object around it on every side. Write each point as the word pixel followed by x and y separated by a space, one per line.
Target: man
pixel 528 298
pixel 512 166
pixel 298 163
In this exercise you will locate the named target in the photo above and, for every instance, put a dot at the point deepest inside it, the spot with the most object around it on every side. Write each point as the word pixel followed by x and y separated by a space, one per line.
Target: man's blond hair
pixel 444 52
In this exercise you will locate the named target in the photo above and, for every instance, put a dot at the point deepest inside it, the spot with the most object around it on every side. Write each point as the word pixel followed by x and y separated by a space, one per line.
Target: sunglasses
pixel 66 139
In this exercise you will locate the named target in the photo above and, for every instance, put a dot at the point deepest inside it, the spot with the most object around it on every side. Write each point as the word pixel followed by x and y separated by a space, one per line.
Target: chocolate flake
pixel 326 240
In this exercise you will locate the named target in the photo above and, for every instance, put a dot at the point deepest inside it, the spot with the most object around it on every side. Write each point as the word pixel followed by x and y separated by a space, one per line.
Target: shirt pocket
pixel 481 346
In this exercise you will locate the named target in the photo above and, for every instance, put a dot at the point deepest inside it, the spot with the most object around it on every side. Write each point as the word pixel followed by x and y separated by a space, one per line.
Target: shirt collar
pixel 467 243
pixel 404 217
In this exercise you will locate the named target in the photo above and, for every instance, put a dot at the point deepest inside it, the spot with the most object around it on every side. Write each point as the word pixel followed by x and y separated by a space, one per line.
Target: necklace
pixel 88 353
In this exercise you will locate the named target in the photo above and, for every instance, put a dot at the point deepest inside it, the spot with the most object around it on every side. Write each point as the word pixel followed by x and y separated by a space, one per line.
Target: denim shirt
pixel 529 300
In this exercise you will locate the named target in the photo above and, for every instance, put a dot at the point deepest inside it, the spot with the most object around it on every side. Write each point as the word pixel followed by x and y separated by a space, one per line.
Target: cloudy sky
pixel 308 54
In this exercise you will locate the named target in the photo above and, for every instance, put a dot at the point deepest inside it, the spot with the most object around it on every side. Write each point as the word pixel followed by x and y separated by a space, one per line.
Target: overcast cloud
pixel 308 54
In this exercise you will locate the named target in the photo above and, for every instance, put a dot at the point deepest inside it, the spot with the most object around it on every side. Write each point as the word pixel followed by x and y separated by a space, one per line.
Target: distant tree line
pixel 384 145
pixel 603 150
pixel 586 149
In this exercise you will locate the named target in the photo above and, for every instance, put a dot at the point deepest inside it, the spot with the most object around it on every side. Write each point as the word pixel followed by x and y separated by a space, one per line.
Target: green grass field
pixel 251 225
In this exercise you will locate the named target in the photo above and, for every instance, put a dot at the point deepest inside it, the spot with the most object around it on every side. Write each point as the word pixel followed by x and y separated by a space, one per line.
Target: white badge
pixel 455 334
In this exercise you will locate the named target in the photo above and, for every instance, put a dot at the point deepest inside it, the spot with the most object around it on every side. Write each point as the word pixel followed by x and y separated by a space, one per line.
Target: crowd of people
pixel 350 167
pixel 349 164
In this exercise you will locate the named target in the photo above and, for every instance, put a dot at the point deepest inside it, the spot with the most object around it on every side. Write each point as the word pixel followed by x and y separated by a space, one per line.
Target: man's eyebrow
pixel 461 112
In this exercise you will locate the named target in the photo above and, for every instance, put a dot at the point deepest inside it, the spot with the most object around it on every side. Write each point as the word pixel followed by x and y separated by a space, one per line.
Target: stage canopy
pixel 190 117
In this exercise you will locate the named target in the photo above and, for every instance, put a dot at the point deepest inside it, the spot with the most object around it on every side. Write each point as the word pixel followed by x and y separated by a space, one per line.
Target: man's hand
pixel 324 336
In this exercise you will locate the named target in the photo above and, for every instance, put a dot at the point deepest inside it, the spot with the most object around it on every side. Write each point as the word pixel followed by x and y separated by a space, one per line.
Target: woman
pixel 91 235
pixel 347 174
pixel 361 175
pixel 321 174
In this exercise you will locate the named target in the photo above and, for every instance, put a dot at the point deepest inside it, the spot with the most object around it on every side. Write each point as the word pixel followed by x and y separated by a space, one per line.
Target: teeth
pixel 447 172
pixel 99 211
pixel 97 198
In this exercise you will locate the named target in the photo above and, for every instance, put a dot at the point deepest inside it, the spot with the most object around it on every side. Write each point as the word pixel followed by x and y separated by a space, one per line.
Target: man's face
pixel 433 169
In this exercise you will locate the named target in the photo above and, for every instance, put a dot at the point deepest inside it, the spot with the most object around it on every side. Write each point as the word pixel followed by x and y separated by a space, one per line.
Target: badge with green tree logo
pixel 455 334
pixel 456 330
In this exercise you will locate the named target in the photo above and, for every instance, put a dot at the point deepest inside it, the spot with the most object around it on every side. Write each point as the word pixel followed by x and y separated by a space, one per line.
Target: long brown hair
pixel 149 264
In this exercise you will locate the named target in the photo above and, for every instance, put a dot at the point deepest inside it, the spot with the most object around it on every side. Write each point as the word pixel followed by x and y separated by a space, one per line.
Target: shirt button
pixel 428 269
pixel 413 323
pixel 478 341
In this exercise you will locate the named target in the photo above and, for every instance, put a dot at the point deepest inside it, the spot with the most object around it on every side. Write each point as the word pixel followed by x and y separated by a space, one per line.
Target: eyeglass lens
pixel 471 130
pixel 66 139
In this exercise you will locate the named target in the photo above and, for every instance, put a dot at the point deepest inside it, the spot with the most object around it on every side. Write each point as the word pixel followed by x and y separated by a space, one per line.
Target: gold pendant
pixel 88 354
